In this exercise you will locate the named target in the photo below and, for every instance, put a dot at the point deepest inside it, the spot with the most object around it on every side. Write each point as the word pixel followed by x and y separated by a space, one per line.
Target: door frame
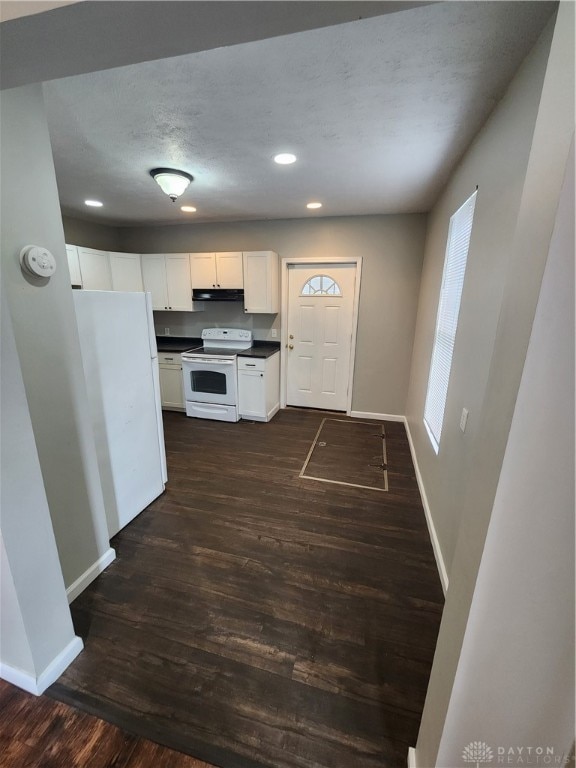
pixel 355 261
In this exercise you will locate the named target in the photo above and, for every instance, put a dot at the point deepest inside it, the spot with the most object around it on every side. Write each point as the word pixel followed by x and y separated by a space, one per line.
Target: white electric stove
pixel 210 378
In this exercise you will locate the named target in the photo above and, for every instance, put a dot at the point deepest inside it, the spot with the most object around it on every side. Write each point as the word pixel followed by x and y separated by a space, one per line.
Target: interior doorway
pixel 319 321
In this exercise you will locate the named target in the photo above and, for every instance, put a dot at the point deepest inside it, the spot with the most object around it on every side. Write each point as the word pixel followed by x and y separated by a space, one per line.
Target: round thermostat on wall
pixel 37 261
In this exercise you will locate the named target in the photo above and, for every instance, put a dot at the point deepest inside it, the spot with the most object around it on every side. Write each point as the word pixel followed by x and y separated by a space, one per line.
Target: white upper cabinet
pixel 229 269
pixel 74 265
pixel 203 269
pixel 261 282
pixel 94 269
pixel 126 272
pixel 154 278
pixel 167 277
pixel 217 270
pixel 170 277
pixel 178 281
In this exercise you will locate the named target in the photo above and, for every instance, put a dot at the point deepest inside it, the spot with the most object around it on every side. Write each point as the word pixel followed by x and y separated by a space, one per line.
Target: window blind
pixel 459 233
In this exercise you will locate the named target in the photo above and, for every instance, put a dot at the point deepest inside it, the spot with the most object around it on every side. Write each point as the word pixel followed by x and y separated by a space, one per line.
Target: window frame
pixel 321 292
pixel 447 317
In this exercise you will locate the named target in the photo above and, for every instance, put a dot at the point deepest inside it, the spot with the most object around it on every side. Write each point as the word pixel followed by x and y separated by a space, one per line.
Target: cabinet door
pixel 73 265
pixel 251 394
pixel 154 279
pixel 203 269
pixel 178 280
pixel 171 389
pixel 261 288
pixel 95 269
pixel 229 271
pixel 126 272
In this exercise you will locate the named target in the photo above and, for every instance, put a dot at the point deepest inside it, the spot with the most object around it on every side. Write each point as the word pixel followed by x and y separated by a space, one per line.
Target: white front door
pixel 320 322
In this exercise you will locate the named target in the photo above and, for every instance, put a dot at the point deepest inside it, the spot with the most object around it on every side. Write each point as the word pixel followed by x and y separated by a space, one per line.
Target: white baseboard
pixel 90 574
pixel 273 412
pixel 378 416
pixel 411 757
pixel 37 685
pixel 19 678
pixel 59 664
pixel 428 514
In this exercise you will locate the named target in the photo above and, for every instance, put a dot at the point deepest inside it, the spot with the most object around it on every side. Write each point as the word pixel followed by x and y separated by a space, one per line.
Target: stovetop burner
pixel 212 352
pixel 222 342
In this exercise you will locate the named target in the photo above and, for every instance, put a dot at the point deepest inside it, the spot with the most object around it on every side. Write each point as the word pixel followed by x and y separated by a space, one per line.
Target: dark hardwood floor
pixel 42 733
pixel 349 453
pixel 253 618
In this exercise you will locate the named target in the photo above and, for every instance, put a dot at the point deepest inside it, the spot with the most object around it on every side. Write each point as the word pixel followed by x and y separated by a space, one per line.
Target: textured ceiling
pixel 15 9
pixel 101 34
pixel 377 110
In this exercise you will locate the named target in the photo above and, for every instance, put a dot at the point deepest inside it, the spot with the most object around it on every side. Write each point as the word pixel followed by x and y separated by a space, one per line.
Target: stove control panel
pixel 227 334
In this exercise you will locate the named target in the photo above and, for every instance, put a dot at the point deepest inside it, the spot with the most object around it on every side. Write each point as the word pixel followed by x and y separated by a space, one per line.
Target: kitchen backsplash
pixel 216 315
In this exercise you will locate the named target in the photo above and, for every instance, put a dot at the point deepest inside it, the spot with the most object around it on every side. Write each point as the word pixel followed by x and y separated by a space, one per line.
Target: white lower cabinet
pixel 258 387
pixel 171 389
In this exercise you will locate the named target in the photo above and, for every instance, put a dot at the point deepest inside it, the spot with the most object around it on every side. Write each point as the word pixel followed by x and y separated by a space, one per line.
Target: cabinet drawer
pixel 169 358
pixel 251 364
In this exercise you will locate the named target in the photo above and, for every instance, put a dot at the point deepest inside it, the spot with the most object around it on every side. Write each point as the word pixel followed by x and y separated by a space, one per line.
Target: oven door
pixel 209 380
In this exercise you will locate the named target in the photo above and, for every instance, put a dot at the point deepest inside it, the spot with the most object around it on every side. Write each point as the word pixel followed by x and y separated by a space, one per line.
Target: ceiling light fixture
pixel 188 208
pixel 172 182
pixel 93 203
pixel 285 158
pixel 313 205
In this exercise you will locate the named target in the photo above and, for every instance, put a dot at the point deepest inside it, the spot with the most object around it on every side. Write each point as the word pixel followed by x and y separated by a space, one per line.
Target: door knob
pixel 290 346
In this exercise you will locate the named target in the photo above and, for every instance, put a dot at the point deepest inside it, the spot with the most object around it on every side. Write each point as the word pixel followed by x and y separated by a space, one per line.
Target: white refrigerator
pixel 120 361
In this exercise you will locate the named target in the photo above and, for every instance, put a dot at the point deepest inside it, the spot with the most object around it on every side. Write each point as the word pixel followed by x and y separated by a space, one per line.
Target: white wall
pixel 217 315
pixel 523 242
pixel 519 644
pixel 497 163
pixel 90 234
pixel 391 248
pixel 47 337
pixel 15 651
pixel 36 632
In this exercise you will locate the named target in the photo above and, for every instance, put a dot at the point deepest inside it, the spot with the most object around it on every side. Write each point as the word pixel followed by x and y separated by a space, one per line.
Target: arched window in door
pixel 321 285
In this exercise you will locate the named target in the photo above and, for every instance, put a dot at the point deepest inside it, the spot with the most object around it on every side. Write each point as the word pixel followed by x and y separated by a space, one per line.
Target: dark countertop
pixel 176 343
pixel 182 343
pixel 261 349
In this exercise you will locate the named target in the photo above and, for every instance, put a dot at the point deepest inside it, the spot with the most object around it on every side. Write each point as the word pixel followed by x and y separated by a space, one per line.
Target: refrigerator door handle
pixel 151 329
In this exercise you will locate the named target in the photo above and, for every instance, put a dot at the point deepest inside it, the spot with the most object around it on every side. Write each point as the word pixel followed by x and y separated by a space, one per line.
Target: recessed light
pixel 188 208
pixel 93 203
pixel 285 158
pixel 314 205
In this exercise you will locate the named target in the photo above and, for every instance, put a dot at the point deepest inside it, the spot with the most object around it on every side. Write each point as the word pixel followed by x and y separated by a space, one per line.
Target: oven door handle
pixel 207 361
